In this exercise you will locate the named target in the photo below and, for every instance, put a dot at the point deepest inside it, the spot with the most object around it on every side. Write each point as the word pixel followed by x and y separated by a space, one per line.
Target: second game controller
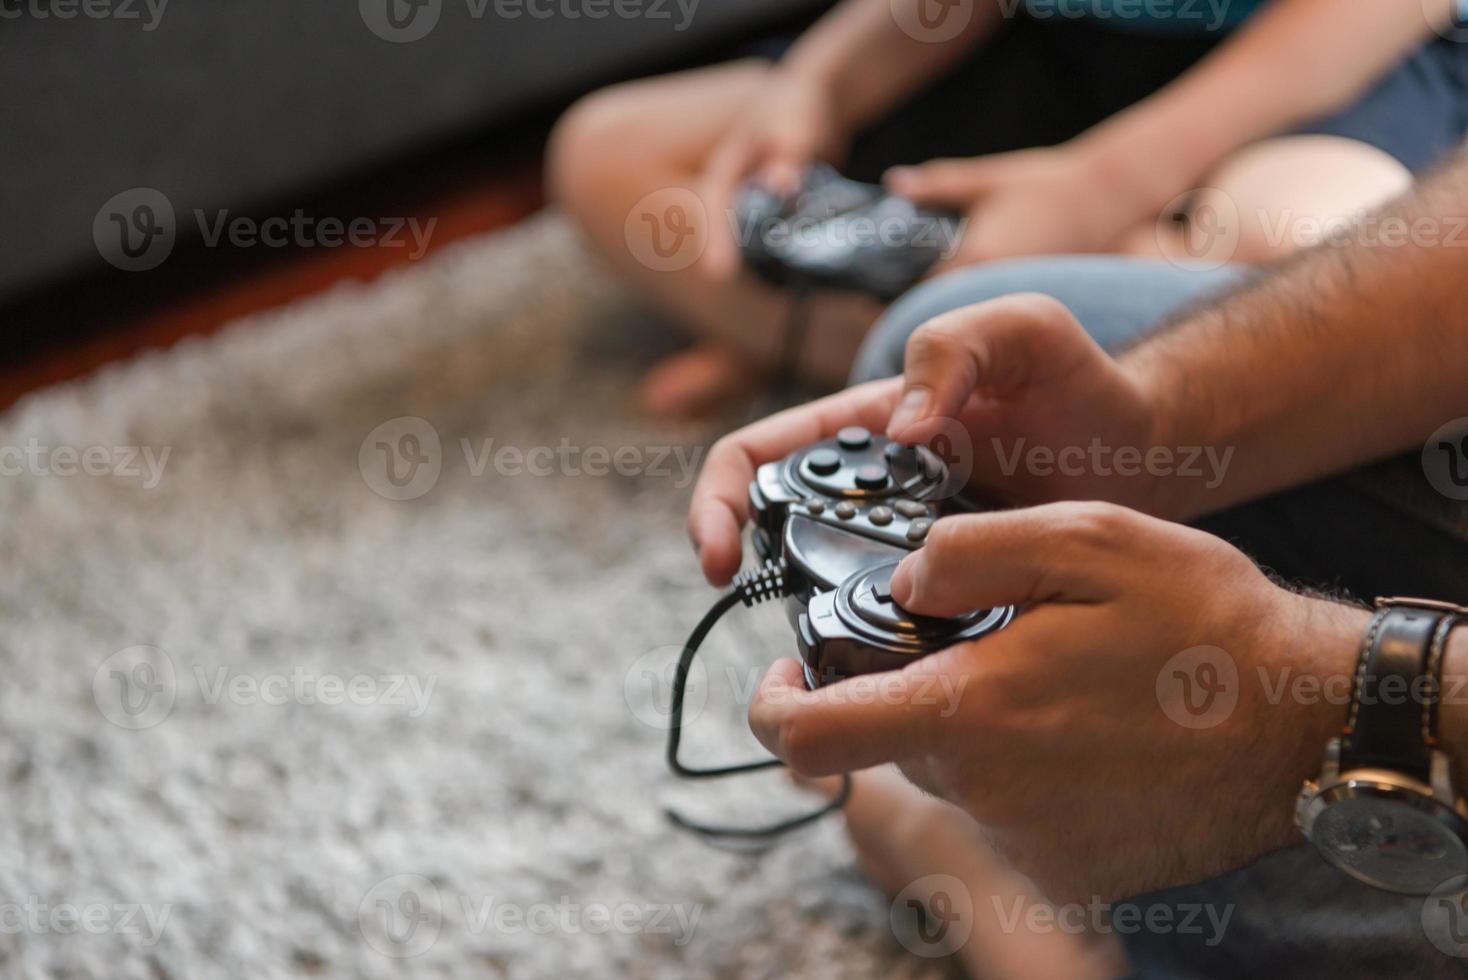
pixel 841 234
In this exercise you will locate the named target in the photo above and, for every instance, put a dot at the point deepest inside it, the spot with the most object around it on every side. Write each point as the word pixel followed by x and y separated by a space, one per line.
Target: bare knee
pixel 1294 192
pixel 586 147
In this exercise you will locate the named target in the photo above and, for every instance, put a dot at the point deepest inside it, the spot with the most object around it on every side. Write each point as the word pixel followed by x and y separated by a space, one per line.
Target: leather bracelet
pixel 1432 705
pixel 1384 728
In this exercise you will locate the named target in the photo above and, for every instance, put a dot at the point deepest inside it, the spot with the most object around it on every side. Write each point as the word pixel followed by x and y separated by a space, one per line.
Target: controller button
pixel 881 516
pixel 846 510
pixel 918 530
pixel 872 476
pixel 824 462
pixel 911 509
pixel 854 437
pixel 882 591
pixel 815 505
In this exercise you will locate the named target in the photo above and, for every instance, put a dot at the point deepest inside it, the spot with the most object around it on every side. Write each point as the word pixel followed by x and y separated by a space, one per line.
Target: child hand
pixel 791 122
pixel 1031 202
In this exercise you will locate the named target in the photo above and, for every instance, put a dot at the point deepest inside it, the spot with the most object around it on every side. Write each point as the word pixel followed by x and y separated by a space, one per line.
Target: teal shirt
pixel 1155 16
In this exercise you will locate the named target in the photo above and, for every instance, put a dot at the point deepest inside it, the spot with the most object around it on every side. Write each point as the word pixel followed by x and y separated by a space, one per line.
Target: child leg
pixel 1274 197
pixel 616 147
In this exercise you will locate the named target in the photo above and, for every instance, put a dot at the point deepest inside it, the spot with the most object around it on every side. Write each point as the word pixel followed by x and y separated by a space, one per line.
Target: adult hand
pixel 1005 377
pixel 791 122
pixel 1047 201
pixel 1126 732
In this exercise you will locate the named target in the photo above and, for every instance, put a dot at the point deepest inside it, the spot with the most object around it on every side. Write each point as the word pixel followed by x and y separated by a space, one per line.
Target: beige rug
pixel 260 719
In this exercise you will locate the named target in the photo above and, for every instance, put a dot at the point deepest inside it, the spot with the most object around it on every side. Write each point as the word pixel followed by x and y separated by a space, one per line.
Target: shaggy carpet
pixel 335 646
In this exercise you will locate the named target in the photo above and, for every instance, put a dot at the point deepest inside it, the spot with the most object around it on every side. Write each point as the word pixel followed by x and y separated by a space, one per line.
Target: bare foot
pixel 904 838
pixel 695 381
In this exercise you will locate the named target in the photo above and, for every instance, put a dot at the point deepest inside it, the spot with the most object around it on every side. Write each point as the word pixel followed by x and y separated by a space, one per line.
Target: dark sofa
pixel 226 104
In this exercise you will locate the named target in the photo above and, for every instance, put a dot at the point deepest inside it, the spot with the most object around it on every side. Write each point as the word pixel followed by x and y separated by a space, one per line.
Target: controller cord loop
pixel 750 588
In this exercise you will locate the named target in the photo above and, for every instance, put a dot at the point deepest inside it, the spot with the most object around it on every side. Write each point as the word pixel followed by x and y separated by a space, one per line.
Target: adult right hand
pixel 789 123
pixel 1010 377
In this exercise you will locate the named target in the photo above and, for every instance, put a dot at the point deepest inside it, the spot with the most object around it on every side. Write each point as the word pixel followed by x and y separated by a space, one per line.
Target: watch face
pixel 1405 844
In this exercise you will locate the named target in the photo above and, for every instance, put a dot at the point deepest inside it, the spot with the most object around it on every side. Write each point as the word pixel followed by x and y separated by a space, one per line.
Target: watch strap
pixel 1390 720
pixel 1434 670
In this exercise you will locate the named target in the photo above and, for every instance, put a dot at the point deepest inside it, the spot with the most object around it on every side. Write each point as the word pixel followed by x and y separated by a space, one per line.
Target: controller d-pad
pixel 872 601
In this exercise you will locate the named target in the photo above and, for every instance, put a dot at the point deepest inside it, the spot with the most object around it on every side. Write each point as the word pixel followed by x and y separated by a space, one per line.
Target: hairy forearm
pixel 860 51
pixel 1297 60
pixel 1346 354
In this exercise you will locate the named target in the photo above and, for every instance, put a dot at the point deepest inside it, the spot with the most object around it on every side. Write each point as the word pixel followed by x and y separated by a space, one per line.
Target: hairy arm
pixel 1346 354
pixel 1297 60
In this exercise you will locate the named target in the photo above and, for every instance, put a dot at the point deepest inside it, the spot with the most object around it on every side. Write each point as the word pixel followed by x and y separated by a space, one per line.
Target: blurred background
pixel 431 109
pixel 309 673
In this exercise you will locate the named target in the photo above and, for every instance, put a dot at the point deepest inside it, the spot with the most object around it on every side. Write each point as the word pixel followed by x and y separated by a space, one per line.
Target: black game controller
pixel 837 517
pixel 841 234
pixel 831 523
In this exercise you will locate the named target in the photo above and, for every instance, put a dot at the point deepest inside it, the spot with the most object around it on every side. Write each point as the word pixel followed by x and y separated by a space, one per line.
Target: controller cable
pixel 750 588
pixel 783 389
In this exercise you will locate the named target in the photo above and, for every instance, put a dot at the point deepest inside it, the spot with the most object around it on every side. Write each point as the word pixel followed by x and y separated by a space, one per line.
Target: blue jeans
pixel 1291 914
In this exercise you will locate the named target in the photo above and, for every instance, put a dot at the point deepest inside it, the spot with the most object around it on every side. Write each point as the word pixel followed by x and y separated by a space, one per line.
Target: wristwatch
pixel 1384 808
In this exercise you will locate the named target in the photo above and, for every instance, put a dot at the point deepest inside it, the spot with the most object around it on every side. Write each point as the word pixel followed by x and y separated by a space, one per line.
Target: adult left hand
pixel 1138 724
pixel 1047 201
